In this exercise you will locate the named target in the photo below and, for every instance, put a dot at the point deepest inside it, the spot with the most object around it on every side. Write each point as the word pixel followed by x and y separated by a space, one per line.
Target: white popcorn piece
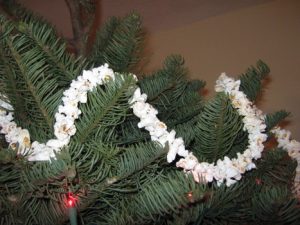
pixel 64 128
pixel 23 141
pixel 106 73
pixel 138 97
pixel 40 152
pixel 203 172
pixel 226 84
pixel 91 79
pixel 148 121
pixel 69 110
pixel 188 163
pixel 57 144
pixel 5 104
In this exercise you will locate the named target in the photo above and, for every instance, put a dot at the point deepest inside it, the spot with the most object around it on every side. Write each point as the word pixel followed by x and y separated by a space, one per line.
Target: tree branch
pixel 77 27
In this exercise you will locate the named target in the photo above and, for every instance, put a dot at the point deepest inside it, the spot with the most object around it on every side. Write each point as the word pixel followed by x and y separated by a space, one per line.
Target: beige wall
pixel 227 43
pixel 231 42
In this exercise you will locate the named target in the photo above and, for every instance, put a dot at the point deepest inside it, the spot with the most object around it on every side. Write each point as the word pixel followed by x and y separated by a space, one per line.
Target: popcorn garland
pixel 157 129
pixel 64 126
pixel 228 170
pixel 283 138
pixel 243 105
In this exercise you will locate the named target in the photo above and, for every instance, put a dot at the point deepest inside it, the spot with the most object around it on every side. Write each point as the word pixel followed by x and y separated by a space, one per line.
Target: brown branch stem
pixel 77 26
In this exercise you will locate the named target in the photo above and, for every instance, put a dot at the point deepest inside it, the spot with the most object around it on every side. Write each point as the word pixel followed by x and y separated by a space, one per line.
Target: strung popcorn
pixel 23 140
pixel 203 172
pixel 188 163
pixel 157 129
pixel 64 126
pixel 226 170
pixel 40 152
pixel 167 137
pixel 4 105
pixel 226 84
pixel 283 138
pixel 15 136
pixel 69 109
pixel 138 97
pixel 230 170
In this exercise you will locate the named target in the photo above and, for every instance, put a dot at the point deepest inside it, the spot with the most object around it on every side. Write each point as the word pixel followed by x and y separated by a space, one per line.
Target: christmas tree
pixel 83 138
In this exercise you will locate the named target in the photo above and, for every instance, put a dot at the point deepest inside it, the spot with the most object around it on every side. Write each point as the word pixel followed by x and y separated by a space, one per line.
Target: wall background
pixel 214 36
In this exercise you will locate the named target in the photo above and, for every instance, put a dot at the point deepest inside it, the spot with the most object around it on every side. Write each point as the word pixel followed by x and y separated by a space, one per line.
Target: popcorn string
pixel 226 170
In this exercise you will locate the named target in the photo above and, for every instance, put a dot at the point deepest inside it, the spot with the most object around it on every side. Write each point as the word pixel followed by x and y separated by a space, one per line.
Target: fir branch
pixel 251 80
pixel 159 197
pixel 105 107
pixel 137 157
pixel 92 161
pixel 9 84
pixel 219 125
pixel 128 134
pixel 111 165
pixel 176 99
pixel 44 37
pixel 273 119
pixel 29 82
pixel 8 81
pixel 118 43
pixel 224 206
pixel 275 206
pixel 276 168
pixel 42 56
pixel 65 66
pixel 165 79
pixel 186 130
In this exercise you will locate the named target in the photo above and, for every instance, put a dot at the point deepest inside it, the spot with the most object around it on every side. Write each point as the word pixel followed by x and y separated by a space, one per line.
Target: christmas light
pixel 70 203
pixel 190 197
pixel 71 200
pixel 258 181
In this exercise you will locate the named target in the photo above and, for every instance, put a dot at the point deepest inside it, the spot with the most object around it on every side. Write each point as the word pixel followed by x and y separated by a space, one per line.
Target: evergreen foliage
pixel 31 50
pixel 118 43
pixel 251 80
pixel 218 126
pixel 273 119
pixel 118 175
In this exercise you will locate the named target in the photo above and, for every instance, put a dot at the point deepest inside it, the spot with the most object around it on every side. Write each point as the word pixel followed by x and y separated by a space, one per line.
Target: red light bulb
pixel 258 181
pixel 71 200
